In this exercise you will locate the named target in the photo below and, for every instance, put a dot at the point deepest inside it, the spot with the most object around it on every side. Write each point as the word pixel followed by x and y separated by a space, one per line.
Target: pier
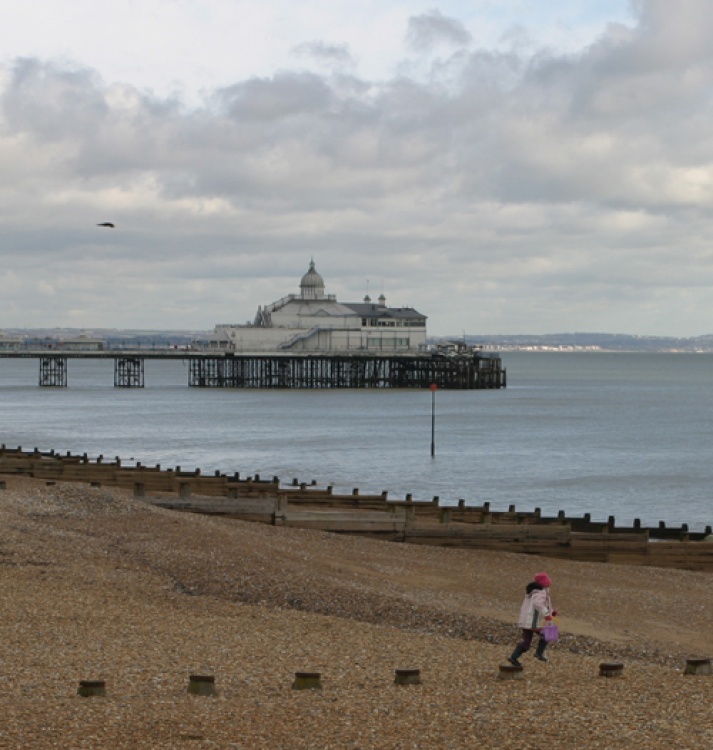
pixel 465 370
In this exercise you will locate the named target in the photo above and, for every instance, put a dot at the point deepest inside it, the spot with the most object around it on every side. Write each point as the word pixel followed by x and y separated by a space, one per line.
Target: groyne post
pixel 199 684
pixel 91 688
pixel 611 669
pixel 307 681
pixel 407 677
pixel 510 672
pixel 698 666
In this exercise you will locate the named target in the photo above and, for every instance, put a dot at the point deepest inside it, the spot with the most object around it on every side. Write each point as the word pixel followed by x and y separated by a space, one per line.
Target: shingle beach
pixel 97 585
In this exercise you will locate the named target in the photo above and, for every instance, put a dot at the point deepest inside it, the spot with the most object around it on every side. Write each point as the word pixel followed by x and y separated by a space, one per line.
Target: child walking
pixel 536 610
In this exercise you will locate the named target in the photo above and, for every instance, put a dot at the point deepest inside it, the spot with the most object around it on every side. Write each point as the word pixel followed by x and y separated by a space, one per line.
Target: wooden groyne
pixel 304 505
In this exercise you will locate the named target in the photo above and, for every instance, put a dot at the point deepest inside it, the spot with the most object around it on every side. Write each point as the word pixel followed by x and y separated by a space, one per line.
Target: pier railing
pixel 305 505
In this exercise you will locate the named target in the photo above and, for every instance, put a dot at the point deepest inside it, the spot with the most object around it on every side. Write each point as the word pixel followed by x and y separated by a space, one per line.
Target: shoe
pixel 514 661
pixel 541 657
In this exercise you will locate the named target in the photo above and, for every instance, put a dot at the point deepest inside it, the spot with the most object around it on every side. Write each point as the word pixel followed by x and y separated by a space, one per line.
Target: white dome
pixel 312 284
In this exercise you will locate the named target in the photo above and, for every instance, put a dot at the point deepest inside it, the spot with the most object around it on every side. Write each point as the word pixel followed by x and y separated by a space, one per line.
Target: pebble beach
pixel 98 585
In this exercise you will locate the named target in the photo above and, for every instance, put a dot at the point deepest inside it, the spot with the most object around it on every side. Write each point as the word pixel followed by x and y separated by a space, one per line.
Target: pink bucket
pixel 551 633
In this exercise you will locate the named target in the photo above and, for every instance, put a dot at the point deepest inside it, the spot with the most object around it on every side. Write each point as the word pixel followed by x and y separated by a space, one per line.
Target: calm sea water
pixel 629 435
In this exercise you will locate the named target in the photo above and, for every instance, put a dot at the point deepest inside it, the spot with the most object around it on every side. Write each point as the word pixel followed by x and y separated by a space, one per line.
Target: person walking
pixel 535 612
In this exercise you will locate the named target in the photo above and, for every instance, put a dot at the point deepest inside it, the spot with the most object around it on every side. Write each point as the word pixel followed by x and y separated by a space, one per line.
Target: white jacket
pixel 535 607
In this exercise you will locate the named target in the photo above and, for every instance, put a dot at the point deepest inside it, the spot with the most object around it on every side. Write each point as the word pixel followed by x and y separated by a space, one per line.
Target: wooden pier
pixel 305 505
pixel 468 369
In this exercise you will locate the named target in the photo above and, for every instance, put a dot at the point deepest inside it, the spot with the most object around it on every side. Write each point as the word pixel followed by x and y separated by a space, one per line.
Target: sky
pixel 503 166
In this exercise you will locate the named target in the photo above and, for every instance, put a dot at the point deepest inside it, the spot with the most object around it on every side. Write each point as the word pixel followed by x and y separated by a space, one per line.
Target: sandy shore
pixel 95 585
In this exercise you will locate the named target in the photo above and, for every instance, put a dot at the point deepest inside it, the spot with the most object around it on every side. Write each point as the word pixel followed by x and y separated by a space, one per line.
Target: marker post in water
pixel 434 388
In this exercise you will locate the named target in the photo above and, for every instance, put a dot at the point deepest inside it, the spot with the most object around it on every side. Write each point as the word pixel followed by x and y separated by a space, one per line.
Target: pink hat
pixel 543 579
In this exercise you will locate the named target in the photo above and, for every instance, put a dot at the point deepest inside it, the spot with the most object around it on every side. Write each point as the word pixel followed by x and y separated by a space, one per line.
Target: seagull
pixel 106 224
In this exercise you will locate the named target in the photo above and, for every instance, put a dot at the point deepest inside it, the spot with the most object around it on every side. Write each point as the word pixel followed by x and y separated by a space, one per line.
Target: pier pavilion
pixel 315 322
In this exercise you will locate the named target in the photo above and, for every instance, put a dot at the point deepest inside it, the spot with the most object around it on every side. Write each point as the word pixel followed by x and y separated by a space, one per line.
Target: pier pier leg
pixel 128 372
pixel 53 372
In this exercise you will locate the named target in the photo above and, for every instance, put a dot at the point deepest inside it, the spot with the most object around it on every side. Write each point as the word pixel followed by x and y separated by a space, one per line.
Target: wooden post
pixel 89 688
pixel 698 666
pixel 307 681
pixel 202 685
pixel 139 489
pixel 611 669
pixel 184 490
pixel 510 672
pixel 407 677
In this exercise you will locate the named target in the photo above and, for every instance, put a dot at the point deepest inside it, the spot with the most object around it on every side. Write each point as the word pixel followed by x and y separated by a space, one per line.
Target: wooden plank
pixel 341 521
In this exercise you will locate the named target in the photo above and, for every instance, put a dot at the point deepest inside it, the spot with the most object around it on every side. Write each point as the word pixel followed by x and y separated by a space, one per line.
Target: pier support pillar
pixel 53 372
pixel 128 372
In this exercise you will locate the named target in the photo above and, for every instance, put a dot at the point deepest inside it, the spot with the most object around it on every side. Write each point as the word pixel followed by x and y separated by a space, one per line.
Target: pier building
pixel 310 340
pixel 317 323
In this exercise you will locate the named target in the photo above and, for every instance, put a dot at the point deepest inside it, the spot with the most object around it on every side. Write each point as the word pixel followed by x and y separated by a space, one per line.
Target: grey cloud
pixel 287 94
pixel 433 28
pixel 52 101
pixel 520 183
pixel 675 33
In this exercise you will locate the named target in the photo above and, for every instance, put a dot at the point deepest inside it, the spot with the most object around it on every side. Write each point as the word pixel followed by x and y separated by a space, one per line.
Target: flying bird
pixel 106 224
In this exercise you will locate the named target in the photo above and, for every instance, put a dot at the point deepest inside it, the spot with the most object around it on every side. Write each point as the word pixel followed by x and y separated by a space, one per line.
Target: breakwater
pixel 304 505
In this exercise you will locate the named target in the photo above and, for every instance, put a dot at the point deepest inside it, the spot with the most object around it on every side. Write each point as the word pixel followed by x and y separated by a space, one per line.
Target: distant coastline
pixel 554 342
pixel 589 342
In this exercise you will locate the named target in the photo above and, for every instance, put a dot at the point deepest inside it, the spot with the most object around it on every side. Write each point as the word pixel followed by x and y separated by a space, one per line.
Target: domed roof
pixel 312 284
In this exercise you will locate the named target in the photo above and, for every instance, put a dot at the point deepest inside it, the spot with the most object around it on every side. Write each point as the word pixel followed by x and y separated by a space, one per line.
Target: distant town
pixel 604 342
pixel 117 339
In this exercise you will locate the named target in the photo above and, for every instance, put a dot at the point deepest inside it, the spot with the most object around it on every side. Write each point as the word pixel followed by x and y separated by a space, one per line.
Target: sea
pixel 628 435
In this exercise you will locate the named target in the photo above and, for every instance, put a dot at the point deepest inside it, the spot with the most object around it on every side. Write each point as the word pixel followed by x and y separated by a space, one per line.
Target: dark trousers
pixel 526 641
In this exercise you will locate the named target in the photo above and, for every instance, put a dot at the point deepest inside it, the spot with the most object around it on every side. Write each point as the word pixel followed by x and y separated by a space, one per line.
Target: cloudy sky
pixel 504 166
